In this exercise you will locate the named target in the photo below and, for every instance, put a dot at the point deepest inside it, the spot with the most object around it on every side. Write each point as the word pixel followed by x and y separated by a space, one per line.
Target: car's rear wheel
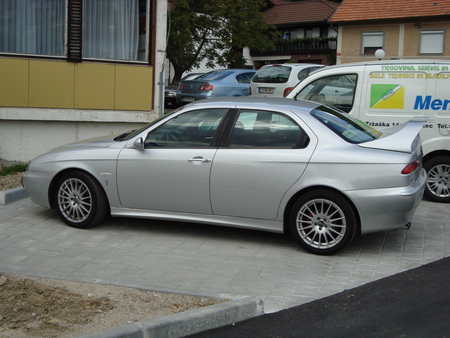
pixel 80 200
pixel 438 179
pixel 322 222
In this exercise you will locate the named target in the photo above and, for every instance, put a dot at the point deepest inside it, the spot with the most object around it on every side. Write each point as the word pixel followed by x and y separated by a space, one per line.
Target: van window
pixel 274 74
pixel 337 91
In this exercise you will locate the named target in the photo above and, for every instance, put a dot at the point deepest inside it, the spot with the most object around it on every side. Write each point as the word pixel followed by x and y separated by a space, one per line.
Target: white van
pixel 278 80
pixel 387 93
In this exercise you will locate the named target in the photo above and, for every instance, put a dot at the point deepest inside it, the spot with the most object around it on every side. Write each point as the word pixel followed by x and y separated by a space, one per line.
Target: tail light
pixel 287 90
pixel 411 167
pixel 250 91
pixel 180 86
pixel 206 88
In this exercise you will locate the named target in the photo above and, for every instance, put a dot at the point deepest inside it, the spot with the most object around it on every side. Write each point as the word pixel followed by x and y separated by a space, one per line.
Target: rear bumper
pixel 390 208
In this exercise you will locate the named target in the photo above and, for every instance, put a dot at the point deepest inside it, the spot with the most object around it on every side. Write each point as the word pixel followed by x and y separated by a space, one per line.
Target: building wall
pixel 400 41
pixel 45 103
pixel 61 84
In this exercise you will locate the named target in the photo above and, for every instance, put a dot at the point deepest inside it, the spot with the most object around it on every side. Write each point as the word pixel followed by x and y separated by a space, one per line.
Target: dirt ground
pixel 37 307
pixel 10 181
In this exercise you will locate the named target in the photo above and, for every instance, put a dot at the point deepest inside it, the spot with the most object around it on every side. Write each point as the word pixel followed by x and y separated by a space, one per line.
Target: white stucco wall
pixel 28 132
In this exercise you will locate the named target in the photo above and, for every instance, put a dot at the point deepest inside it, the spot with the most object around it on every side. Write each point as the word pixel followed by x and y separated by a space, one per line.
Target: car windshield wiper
pixel 122 136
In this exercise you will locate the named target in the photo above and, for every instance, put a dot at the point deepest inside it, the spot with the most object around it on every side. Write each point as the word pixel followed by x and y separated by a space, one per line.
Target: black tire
pixel 322 222
pixel 438 179
pixel 80 200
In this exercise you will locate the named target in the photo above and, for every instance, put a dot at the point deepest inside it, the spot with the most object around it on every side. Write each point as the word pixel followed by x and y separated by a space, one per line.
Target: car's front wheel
pixel 322 222
pixel 438 179
pixel 80 200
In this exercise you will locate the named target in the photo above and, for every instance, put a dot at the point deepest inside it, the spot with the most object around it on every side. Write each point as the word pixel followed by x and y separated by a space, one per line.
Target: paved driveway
pixel 208 260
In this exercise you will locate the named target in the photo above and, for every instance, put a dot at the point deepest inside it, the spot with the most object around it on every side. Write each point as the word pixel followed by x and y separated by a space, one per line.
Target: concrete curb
pixel 189 322
pixel 12 195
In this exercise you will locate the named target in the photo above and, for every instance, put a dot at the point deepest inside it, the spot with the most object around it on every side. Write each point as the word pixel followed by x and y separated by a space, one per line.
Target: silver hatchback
pixel 270 164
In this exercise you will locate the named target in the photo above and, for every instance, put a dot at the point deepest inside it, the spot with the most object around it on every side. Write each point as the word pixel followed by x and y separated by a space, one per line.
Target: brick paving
pixel 209 260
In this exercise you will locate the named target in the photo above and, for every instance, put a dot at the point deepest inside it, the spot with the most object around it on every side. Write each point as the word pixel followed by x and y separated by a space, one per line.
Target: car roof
pixel 231 70
pixel 268 103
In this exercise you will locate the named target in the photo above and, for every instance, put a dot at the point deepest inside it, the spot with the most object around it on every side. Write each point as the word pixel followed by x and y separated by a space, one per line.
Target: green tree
pixel 215 31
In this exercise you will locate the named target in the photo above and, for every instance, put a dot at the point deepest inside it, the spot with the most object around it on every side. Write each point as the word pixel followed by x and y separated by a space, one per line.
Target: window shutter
pixel 74 43
pixel 432 42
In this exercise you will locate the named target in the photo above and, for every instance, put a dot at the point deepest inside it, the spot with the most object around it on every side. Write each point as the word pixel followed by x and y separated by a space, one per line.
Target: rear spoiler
pixel 399 138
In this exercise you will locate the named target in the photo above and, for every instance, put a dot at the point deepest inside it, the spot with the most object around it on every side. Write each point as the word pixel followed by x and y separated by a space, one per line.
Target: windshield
pixel 130 135
pixel 346 126
pixel 273 74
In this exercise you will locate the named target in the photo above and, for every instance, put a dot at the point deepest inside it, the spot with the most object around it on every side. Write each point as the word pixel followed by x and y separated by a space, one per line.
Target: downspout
pixel 163 66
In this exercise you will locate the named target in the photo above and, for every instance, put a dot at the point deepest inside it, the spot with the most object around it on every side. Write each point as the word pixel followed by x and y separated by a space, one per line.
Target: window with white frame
pixel 116 30
pixel 371 41
pixel 432 41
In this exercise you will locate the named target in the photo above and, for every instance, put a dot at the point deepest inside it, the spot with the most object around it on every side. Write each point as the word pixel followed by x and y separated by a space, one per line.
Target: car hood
pixel 98 142
pixel 399 138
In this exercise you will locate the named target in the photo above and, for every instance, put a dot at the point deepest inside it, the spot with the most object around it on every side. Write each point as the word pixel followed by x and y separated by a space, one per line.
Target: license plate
pixel 263 90
pixel 188 98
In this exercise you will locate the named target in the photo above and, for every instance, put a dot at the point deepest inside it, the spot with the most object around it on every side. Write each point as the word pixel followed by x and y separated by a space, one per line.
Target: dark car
pixel 170 92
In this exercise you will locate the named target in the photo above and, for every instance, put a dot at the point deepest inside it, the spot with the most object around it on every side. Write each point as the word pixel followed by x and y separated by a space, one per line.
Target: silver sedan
pixel 270 164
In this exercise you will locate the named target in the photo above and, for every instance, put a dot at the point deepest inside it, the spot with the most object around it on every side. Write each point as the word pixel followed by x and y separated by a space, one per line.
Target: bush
pixel 16 168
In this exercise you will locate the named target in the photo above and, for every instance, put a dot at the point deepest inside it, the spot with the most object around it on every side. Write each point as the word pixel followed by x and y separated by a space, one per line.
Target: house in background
pixel 404 29
pixel 75 69
pixel 305 33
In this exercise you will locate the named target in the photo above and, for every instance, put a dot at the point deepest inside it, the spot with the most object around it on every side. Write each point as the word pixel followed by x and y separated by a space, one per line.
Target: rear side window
pixel 346 126
pixel 244 77
pixel 265 129
pixel 273 74
pixel 305 72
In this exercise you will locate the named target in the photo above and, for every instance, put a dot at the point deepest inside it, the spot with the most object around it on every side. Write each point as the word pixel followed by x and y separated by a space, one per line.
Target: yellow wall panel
pixel 61 84
pixel 13 82
pixel 94 86
pixel 51 84
pixel 134 87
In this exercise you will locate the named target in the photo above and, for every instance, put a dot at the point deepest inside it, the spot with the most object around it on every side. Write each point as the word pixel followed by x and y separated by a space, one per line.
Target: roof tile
pixel 359 10
pixel 287 12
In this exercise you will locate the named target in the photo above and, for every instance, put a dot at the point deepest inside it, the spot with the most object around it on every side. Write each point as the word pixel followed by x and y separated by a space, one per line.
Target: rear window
pixel 274 74
pixel 214 76
pixel 346 126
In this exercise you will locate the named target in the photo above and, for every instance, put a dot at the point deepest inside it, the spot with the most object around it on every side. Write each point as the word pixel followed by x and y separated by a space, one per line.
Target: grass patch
pixel 16 168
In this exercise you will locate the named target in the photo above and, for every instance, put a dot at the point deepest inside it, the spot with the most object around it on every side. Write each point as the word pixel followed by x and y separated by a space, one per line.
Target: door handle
pixel 199 159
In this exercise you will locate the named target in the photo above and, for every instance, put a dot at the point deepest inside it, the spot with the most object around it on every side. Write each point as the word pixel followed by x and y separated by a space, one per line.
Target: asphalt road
pixel 415 303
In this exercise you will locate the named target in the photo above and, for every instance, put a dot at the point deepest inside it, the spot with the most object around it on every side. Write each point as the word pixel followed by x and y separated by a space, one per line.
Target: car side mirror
pixel 139 143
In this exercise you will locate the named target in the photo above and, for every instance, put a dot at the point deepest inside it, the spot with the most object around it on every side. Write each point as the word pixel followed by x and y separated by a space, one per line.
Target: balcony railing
pixel 300 47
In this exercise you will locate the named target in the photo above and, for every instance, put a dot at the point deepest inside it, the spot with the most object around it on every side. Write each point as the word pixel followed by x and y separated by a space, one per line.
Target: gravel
pixel 10 181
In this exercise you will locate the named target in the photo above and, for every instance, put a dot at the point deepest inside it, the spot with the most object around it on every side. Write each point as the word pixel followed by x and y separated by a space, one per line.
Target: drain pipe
pixel 161 85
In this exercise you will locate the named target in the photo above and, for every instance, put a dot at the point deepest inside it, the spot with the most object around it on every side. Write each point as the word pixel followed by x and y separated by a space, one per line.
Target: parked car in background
pixel 170 92
pixel 270 164
pixel 278 80
pixel 218 83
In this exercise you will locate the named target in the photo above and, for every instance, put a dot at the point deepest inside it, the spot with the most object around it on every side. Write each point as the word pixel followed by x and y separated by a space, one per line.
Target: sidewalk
pixel 211 261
